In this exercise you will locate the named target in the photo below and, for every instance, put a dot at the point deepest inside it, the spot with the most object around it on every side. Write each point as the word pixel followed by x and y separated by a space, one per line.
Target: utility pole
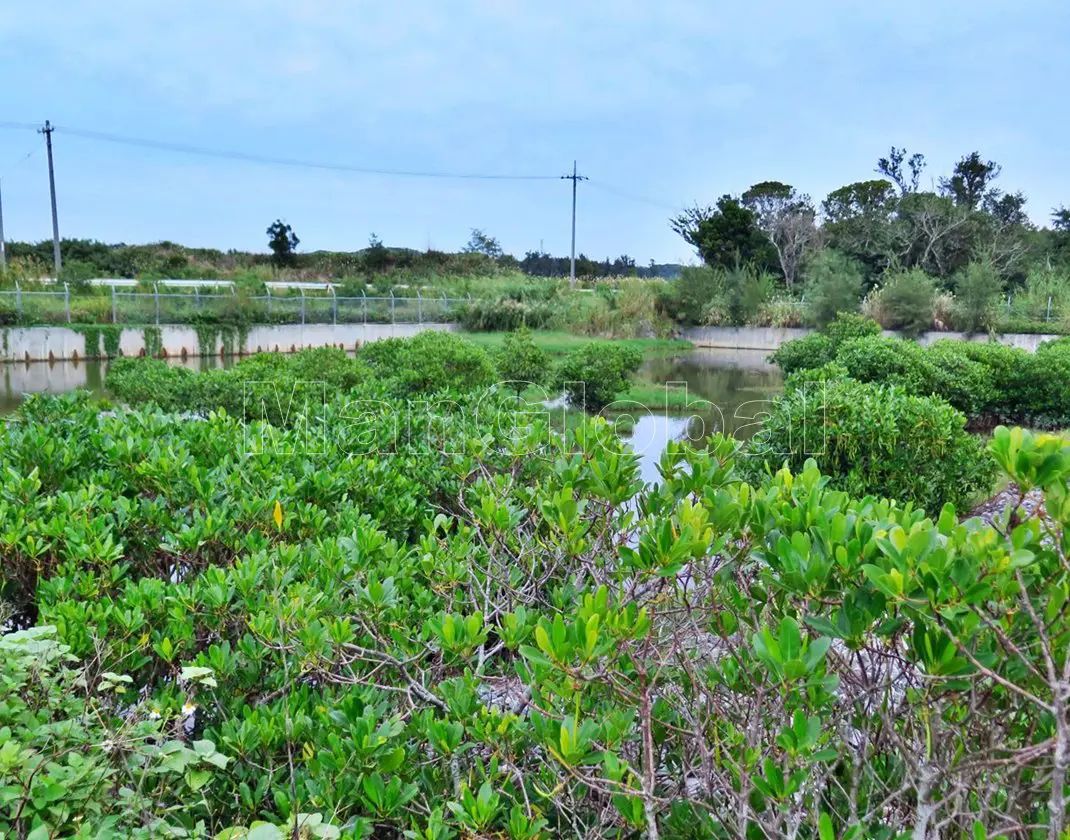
pixel 47 131
pixel 3 255
pixel 575 178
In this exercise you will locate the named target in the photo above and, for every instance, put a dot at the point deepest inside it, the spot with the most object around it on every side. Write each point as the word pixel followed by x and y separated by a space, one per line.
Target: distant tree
pixel 283 243
pixel 376 257
pixel 787 218
pixel 892 167
pixel 481 243
pixel 727 236
pixel 970 181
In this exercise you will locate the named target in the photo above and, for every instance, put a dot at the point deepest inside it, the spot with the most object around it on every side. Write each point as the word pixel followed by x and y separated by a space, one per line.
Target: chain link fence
pixel 20 307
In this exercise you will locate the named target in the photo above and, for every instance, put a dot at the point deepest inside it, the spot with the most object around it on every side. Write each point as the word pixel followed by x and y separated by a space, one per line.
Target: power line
pixel 293 162
pixel 20 161
pixel 19 126
pixel 633 197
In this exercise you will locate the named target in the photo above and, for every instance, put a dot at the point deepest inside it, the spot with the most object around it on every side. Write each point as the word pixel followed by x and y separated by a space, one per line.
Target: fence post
pixel 67 301
pixel 18 301
pixel 1008 303
pixel 334 305
pixel 392 319
pixel 1048 317
pixel 302 291
pixel 363 307
pixel 445 307
pixel 268 290
pixel 419 307
pixel 114 307
pixel 156 294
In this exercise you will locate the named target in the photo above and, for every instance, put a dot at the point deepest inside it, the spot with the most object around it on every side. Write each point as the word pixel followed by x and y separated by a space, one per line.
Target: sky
pixel 664 103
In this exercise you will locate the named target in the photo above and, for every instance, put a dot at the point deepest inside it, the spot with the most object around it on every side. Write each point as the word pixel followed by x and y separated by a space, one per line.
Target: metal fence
pixel 160 307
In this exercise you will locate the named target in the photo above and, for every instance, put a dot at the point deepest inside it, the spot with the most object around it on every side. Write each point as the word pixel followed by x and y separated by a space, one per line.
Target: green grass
pixel 559 343
pixel 656 397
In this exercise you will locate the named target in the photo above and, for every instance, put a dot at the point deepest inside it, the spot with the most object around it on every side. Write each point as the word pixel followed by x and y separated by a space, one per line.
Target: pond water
pixel 727 390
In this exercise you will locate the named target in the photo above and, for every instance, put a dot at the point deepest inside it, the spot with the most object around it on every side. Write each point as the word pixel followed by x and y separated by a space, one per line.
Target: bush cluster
pixel 594 374
pixel 990 383
pixel 874 439
pixel 428 362
pixel 479 642
pixel 819 348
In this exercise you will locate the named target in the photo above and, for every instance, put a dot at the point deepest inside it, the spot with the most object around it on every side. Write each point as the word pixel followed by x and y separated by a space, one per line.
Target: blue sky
pixel 670 100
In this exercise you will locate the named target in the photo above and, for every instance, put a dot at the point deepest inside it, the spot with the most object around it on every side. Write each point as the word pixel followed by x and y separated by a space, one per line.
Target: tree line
pixel 883 223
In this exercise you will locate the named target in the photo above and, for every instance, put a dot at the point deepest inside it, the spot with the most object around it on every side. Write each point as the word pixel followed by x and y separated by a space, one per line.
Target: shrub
pixel 138 381
pixel 849 325
pixel 977 293
pixel 907 300
pixel 877 440
pixel 80 749
pixel 781 312
pixel 961 379
pixel 810 351
pixel 891 360
pixel 817 349
pixel 430 361
pixel 267 386
pixel 593 375
pixel 746 290
pixel 1039 392
pixel 521 362
pixel 689 298
pixel 943 370
pixel 833 285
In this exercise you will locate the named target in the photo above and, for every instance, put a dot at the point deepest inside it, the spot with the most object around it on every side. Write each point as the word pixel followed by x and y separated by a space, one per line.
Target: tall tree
pixel 892 167
pixel 858 222
pixel 482 243
pixel 283 243
pixel 787 217
pixel 970 180
pixel 935 234
pixel 687 224
pixel 727 236
pixel 1060 233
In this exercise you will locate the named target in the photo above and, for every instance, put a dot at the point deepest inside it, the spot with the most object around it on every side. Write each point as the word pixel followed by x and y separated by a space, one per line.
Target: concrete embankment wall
pixel 36 344
pixel 770 338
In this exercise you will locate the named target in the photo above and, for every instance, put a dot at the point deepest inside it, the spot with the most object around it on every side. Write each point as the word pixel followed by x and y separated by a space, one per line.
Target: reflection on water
pixel 22 378
pixel 728 391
